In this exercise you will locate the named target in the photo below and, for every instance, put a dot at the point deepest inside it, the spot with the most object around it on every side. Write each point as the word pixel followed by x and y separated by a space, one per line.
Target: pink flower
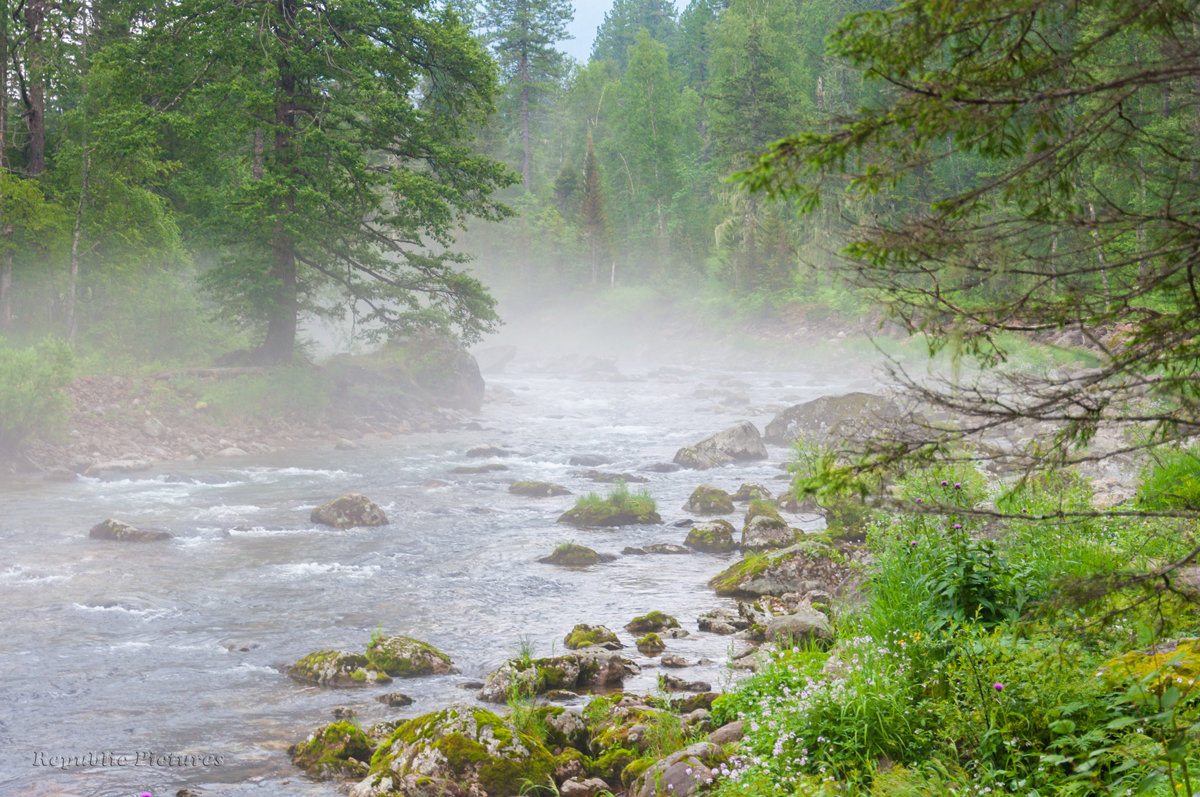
pixel 999 687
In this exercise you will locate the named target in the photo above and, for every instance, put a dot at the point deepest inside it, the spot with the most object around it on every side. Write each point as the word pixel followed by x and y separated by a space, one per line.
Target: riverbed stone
pixel 336 751
pixel 337 669
pixel 404 657
pixel 460 751
pixel 763 532
pixel 536 489
pixel 666 548
pixel 120 531
pixel 584 636
pixel 569 554
pixel 581 670
pixel 826 419
pixel 712 536
pixel 802 568
pixel 738 443
pixel 651 645
pixel 395 700
pixel 655 621
pixel 708 499
pixel 349 511
pixel 749 492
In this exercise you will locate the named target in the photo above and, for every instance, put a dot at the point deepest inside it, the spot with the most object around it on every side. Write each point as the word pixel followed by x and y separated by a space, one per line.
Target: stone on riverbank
pixel 829 418
pixel 739 443
pixel 582 670
pixel 460 751
pixel 404 657
pixel 123 532
pixel 339 750
pixel 681 774
pixel 348 512
pixel 336 669
pixel 805 567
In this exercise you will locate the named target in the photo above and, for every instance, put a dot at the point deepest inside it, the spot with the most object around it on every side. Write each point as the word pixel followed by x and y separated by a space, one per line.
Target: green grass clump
pixel 620 507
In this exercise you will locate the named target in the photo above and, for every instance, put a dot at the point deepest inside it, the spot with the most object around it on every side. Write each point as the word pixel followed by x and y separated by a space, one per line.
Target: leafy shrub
pixel 1171 480
pixel 619 500
pixel 32 399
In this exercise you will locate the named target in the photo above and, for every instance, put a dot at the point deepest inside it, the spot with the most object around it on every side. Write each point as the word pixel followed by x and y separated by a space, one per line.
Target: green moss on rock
pixel 618 508
pixel 337 669
pixel 568 554
pixel 404 657
pixel 583 636
pixel 714 536
pixel 349 511
pixel 651 645
pixel 709 500
pixel 655 621
pixel 339 750
pixel 537 489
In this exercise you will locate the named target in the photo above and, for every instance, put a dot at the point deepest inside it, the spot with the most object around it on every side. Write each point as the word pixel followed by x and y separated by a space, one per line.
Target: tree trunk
pixel 35 101
pixel 280 343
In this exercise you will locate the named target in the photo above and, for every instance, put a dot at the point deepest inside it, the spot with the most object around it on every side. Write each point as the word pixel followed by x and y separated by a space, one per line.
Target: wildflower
pixel 999 687
pixel 920 500
pixel 958 485
pixel 958 525
pixel 945 483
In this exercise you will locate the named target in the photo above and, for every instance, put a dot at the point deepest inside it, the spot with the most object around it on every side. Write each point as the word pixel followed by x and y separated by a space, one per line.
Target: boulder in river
pixel 123 532
pixel 805 625
pixel 738 443
pixel 460 751
pixel 586 636
pixel 619 508
pixel 651 645
pixel 404 657
pixel 348 512
pixel 334 752
pixel 764 531
pixel 336 669
pixel 655 621
pixel 537 489
pixel 708 499
pixel 581 670
pixel 568 554
pixel 713 536
pixel 749 492
pixel 805 567
pixel 828 419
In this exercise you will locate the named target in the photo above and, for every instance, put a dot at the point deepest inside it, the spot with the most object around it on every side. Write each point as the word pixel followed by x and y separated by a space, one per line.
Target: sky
pixel 588 16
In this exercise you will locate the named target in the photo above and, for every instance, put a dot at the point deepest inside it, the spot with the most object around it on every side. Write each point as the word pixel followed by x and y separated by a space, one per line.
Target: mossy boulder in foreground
pixel 336 669
pixel 461 751
pixel 805 567
pixel 337 751
pixel 709 500
pixel 348 512
pixel 404 657
pixel 118 531
pixel 586 636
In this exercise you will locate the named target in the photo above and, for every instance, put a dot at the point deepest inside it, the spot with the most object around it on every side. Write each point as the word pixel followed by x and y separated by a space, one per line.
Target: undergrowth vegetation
pixel 993 655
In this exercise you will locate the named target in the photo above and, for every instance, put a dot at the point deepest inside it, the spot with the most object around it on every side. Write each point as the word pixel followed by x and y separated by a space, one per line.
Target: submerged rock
pixel 611 478
pixel 537 489
pixel 404 657
pixel 571 555
pixel 337 669
pixel 709 500
pixel 395 700
pixel 349 511
pixel 655 621
pixel 475 469
pixel 461 751
pixel 739 443
pixel 339 750
pixel 123 532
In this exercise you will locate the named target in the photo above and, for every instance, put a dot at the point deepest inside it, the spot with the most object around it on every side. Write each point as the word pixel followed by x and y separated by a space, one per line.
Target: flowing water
pixel 178 648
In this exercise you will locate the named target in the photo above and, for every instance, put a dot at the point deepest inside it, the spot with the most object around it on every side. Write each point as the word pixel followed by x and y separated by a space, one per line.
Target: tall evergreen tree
pixel 595 224
pixel 618 32
pixel 524 34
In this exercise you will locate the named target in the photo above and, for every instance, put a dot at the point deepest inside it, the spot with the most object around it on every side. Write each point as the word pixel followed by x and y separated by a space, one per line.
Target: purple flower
pixel 958 525
pixel 913 543
pixel 958 485
pixel 919 500
pixel 945 483
pixel 999 687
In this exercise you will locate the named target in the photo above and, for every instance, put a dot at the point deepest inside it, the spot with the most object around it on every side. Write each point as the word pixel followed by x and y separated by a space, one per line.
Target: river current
pixel 164 662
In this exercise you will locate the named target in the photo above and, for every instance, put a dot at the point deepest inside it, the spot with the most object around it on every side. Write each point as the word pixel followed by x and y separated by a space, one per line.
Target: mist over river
pixel 178 649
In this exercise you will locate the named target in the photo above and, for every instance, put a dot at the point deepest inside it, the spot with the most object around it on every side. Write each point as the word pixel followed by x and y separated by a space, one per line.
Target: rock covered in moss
pixel 395 700
pixel 461 751
pixel 337 669
pixel 763 532
pixel 708 499
pixel 806 567
pixel 655 621
pixel 537 489
pixel 571 555
pixel 348 512
pixel 587 787
pixel 713 536
pixel 120 531
pixel 651 645
pixel 619 508
pixel 582 670
pixel 681 774
pixel 404 657
pixel 337 751
pixel 750 492
pixel 738 443
pixel 585 636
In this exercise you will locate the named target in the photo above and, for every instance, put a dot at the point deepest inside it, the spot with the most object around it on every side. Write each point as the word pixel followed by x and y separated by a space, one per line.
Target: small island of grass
pixel 618 508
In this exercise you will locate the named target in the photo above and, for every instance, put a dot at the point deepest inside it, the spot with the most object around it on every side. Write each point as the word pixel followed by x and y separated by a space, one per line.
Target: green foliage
pixel 33 401
pixel 292 390
pixel 1171 480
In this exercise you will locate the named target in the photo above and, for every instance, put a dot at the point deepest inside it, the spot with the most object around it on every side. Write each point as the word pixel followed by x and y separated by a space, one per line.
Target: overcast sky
pixel 588 16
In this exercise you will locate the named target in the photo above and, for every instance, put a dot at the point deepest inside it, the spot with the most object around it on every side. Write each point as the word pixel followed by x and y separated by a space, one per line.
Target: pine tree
pixel 595 225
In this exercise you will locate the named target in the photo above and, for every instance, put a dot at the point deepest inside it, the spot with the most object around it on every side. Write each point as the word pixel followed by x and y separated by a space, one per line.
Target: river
pixel 179 648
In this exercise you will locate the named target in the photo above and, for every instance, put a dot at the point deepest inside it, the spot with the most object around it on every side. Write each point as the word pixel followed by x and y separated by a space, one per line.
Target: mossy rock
pixel 635 769
pixel 713 536
pixel 584 670
pixel 572 555
pixel 655 621
pixel 537 489
pixel 750 492
pixel 709 500
pixel 608 516
pixel 802 567
pixel 609 765
pixel 461 750
pixel 404 657
pixel 763 532
pixel 761 508
pixel 1174 663
pixel 651 645
pixel 562 728
pixel 337 669
pixel 337 751
pixel 583 636
pixel 688 704
pixel 846 518
pixel 119 531
pixel 349 511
